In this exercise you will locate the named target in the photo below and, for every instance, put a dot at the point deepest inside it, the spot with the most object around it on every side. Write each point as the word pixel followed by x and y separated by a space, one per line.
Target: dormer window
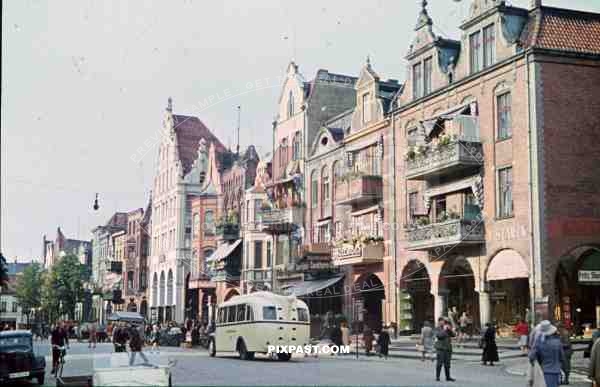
pixel 427 70
pixel 475 51
pixel 417 81
pixel 489 46
pixel 366 112
pixel 291 104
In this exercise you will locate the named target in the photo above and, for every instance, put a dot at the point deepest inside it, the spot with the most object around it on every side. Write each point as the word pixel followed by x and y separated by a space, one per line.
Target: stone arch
pixel 154 290
pixel 416 299
pixel 576 294
pixel 456 284
pixel 368 294
pixel 170 285
pixel 161 298
pixel 231 293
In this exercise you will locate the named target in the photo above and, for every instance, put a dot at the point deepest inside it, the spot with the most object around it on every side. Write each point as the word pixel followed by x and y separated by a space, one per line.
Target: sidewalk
pixel 579 368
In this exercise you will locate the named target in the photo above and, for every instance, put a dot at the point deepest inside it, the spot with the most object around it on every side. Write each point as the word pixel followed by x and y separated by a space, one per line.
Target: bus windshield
pixel 302 314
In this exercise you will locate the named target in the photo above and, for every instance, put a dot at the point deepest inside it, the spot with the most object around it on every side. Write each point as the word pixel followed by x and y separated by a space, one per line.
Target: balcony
pixel 355 189
pixel 258 275
pixel 282 221
pixel 225 276
pixel 452 232
pixel 315 249
pixel 433 162
pixel 228 231
pixel 349 255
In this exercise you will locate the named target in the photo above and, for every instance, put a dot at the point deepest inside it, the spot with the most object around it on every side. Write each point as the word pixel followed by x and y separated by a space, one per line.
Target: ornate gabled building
pixel 182 174
pixel 489 130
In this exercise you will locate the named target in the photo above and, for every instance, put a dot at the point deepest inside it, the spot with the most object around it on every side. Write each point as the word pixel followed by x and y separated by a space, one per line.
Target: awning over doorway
pixel 507 264
pixel 223 251
pixel 304 288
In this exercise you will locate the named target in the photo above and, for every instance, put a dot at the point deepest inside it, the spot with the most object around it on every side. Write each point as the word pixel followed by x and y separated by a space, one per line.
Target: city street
pixel 195 367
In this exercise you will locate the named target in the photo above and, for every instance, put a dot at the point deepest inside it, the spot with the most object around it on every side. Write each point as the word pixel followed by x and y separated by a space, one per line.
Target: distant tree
pixel 3 272
pixel 28 290
pixel 62 288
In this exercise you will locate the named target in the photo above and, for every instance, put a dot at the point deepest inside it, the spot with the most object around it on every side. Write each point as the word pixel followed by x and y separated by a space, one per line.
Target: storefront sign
pixel 591 277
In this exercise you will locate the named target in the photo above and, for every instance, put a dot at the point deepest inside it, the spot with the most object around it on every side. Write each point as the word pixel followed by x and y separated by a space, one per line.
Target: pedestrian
pixel 567 347
pixel 368 340
pixel 453 316
pixel 548 352
pixel 426 341
pixel 443 348
pixel 594 372
pixel 155 338
pixel 383 342
pixel 336 338
pixel 463 323
pixel 345 333
pixel 522 331
pixel 92 339
pixel 490 349
pixel 136 343
pixel 59 339
pixel 120 337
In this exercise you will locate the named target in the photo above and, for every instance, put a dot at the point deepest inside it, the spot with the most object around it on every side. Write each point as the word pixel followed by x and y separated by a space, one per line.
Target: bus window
pixel 231 314
pixel 221 316
pixel 302 314
pixel 241 312
pixel 249 313
pixel 269 313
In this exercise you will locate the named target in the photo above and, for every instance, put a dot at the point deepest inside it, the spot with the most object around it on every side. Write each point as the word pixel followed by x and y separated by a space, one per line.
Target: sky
pixel 85 84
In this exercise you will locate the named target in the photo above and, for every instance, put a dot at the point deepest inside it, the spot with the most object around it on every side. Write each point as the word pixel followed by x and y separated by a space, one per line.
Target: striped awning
pixel 507 264
pixel 223 251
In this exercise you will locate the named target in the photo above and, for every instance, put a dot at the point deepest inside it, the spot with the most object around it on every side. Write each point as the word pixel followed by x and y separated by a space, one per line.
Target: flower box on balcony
pixel 450 232
pixel 359 253
pixel 443 158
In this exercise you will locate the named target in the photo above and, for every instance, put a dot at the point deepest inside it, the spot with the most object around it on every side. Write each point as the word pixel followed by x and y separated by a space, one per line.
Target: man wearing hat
pixel 548 351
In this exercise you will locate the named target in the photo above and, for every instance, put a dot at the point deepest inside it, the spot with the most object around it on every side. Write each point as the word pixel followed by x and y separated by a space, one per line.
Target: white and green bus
pixel 251 323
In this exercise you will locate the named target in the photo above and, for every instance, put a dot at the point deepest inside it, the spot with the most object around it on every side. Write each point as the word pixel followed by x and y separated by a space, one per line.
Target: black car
pixel 17 360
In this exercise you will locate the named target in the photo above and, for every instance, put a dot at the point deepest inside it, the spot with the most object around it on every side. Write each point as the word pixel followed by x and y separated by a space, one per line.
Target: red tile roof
pixel 189 130
pixel 564 30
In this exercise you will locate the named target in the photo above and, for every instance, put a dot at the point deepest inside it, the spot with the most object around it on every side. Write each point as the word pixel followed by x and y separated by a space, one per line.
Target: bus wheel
pixel 244 354
pixel 212 348
pixel 284 356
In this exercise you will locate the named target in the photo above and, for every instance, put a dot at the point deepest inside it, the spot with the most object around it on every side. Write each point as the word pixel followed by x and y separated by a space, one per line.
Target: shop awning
pixel 430 123
pixel 304 288
pixel 223 251
pixel 507 264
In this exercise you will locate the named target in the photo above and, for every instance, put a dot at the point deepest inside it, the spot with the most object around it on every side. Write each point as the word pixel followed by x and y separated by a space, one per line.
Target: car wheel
pixel 212 348
pixel 40 380
pixel 244 354
pixel 284 356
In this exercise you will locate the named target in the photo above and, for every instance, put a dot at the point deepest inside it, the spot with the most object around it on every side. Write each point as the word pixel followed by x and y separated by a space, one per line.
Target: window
pixel 231 313
pixel 130 276
pixel 417 81
pixel 269 313
pixel 475 51
pixel 413 198
pixel 268 253
pixel 209 223
pixel 440 209
pixel 489 46
pixel 257 209
pixel 290 104
pixel 314 188
pixel 196 225
pixel 366 113
pixel 258 254
pixel 249 313
pixel 3 306
pixel 296 146
pixel 241 312
pixel 15 305
pixel 280 252
pixel 505 203
pixel 504 116
pixel 411 137
pixel 427 69
pixel 302 314
pixel 325 185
